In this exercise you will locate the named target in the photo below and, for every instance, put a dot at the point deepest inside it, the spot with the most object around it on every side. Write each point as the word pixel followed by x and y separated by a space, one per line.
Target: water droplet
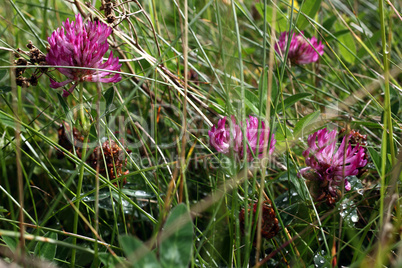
pixel 321 261
pixel 354 218
pixel 142 203
pixel 285 199
pixel 386 49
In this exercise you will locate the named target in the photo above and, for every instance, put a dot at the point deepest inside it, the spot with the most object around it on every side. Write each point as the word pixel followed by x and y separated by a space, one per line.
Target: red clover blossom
pixel 327 162
pixel 252 137
pixel 300 50
pixel 222 138
pixel 82 45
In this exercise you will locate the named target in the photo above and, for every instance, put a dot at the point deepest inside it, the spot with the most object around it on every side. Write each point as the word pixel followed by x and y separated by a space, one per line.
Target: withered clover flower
pixel 82 45
pixel 331 164
pixel 301 51
pixel 269 222
pixel 110 155
pixel 24 58
pixel 223 138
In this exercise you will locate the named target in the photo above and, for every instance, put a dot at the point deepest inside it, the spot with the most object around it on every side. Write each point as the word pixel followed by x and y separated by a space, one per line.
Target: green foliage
pixel 65 107
pixel 137 253
pixel 3 73
pixel 5 89
pixel 303 124
pixel 308 10
pixel 109 260
pixel 292 100
pixel 108 95
pixel 347 47
pixel 281 21
pixel 11 242
pixel 175 248
pixel 46 250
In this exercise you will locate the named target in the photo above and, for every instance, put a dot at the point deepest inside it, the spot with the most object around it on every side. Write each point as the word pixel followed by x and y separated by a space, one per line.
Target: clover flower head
pixel 301 50
pixel 82 45
pixel 328 162
pixel 252 137
pixel 222 138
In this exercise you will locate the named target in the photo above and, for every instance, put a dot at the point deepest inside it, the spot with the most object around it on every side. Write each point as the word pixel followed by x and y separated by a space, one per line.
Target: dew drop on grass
pixel 354 218
pixel 386 49
pixel 142 203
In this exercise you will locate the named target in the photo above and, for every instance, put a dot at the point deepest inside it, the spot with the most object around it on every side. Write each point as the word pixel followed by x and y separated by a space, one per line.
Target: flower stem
pixel 387 128
pixel 244 130
pixel 387 124
pixel 85 132
pixel 84 122
pixel 77 196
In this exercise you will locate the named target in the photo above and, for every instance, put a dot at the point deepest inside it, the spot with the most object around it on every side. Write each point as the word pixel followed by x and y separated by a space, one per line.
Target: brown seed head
pixel 269 222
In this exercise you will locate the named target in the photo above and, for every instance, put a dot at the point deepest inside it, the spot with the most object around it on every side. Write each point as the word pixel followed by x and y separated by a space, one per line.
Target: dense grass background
pixel 232 69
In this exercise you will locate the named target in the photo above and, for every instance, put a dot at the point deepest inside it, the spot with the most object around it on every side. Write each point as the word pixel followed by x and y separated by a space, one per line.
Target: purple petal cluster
pixel 252 138
pixel 300 50
pixel 329 162
pixel 82 45
pixel 222 138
